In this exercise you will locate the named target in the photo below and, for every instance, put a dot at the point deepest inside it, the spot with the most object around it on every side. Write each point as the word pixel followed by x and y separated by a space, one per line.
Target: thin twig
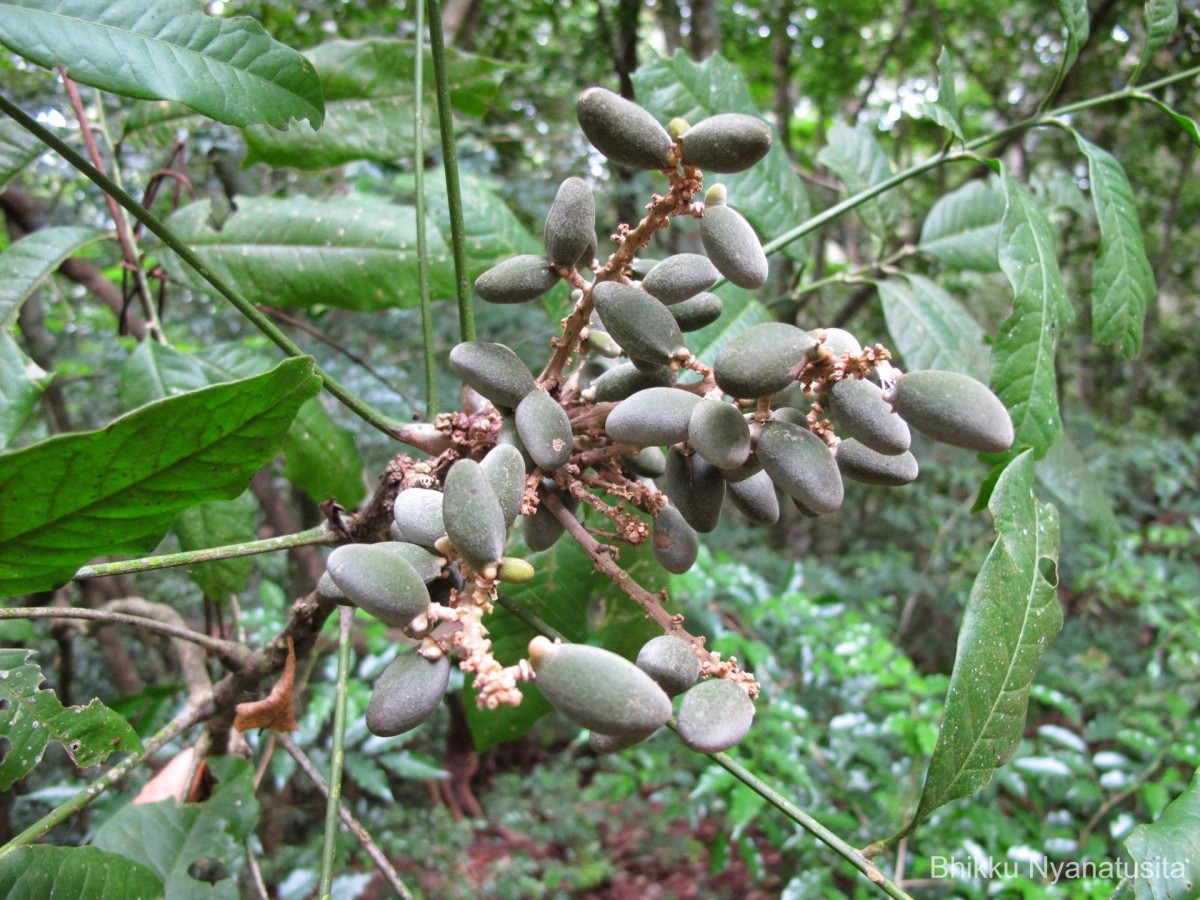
pixel 228 651
pixel 431 397
pixel 338 756
pixel 356 828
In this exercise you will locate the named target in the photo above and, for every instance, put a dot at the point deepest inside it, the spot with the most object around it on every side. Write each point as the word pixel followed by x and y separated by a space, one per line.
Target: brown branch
pixel 192 660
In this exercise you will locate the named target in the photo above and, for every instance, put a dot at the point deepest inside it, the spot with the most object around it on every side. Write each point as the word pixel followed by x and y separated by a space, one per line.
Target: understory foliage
pixel 282 291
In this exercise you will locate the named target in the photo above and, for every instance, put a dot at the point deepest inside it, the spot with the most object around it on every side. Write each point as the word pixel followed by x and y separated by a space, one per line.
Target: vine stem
pixel 262 322
pixel 229 650
pixel 318 535
pixel 338 756
pixel 458 231
pixel 356 827
pixel 431 398
pixel 186 718
pixel 809 824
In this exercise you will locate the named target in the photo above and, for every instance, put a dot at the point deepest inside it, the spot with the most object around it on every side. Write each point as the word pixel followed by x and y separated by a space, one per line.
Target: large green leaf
pixel 1023 352
pixel 1162 18
pixel 930 329
pixel 962 230
pixel 355 252
pixel 22 382
pixel 1167 853
pixel 855 156
pixel 1078 491
pixel 492 231
pixel 218 524
pixel 28 262
pixel 770 195
pixel 18 148
pixel 228 69
pixel 945 109
pixel 1075 16
pixel 170 837
pixel 45 871
pixel 1010 618
pixel 159 121
pixel 117 490
pixel 157 371
pixel 1122 281
pixel 31 718
pixel 368 87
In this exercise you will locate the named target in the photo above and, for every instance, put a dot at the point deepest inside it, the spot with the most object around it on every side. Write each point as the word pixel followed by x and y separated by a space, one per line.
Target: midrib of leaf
pixel 33 13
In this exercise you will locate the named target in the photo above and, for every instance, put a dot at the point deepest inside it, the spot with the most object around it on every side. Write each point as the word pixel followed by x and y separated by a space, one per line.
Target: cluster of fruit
pixel 590 426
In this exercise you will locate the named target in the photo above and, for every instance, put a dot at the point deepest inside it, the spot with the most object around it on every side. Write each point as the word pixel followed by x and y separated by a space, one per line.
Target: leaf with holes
pixel 770 195
pixel 855 156
pixel 31 260
pixel 368 88
pixel 170 838
pixel 1023 353
pixel 31 718
pixel 930 329
pixel 228 69
pixel 22 382
pixel 18 148
pixel 77 496
pixel 45 871
pixel 353 252
pixel 1168 850
pixel 1122 280
pixel 1011 617
pixel 962 230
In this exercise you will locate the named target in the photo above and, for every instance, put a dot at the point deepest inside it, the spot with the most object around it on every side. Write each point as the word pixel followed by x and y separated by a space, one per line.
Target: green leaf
pixel 1075 16
pixel 368 88
pixel 170 837
pixel 31 718
pixel 771 195
pixel 353 252
pixel 29 261
pixel 156 371
pixel 1162 18
pixel 1023 352
pixel 855 156
pixel 73 497
pixel 1010 619
pixel 18 148
pixel 930 329
pixel 945 110
pixel 1065 474
pixel 159 121
pixel 1167 853
pixel 22 382
pixel 741 311
pixel 962 230
pixel 45 871
pixel 1122 281
pixel 216 525
pixel 493 233
pixel 1187 124
pixel 227 69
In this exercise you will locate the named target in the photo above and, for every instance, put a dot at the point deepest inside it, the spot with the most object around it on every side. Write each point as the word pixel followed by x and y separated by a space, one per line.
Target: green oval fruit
pixel 675 542
pixel 733 247
pixel 791 414
pixel 407 693
pixel 680 277
pixel 801 465
pixel 506 436
pixel 601 342
pixel 597 689
pixel 671 662
pixel 626 379
pixel 729 142
pixel 838 341
pixel 474 518
pixel 622 130
pixel 640 324
pixel 545 430
pixel 864 415
pixel 694 314
pixel 859 462
pixel 517 280
pixel 718 431
pixel 418 516
pixel 755 498
pixel 611 743
pixel 379 581
pixel 514 570
pixel 649 462
pixel 541 530
pixel 327 589
pixel 641 267
pixel 428 566
pixel 571 223
pixel 748 469
pixel 714 715
pixel 761 360
pixel 653 417
pixel 505 470
pixel 493 370
pixel 696 488
pixel 954 409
